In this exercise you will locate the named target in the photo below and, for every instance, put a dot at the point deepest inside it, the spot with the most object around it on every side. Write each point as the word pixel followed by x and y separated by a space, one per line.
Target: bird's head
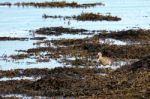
pixel 99 54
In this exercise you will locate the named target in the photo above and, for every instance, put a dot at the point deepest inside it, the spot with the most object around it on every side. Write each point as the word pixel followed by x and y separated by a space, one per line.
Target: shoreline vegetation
pixel 125 82
pixel 12 39
pixel 58 31
pixel 130 80
pixel 132 34
pixel 20 38
pixel 80 75
pixel 83 49
pixel 86 17
pixel 52 4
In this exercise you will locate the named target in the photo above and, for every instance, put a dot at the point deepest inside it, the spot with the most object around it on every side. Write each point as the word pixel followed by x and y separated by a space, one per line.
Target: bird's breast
pixel 105 61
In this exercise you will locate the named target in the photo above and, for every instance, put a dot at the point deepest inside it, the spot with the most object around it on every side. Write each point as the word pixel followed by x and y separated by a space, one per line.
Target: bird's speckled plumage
pixel 104 60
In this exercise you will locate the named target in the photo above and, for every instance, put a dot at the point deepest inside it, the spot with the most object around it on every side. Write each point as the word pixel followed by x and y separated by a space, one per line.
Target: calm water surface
pixel 16 22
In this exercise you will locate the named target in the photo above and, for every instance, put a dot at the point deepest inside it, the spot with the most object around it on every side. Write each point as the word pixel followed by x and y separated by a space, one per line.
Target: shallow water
pixel 133 13
pixel 19 78
pixel 112 42
pixel 22 96
pixel 17 21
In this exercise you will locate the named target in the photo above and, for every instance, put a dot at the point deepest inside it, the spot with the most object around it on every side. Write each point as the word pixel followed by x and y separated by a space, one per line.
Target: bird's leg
pixel 97 63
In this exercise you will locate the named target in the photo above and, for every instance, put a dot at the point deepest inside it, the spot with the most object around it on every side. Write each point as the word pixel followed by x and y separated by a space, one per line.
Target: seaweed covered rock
pixel 142 64
pixel 132 34
pixel 68 82
pixel 95 17
pixel 87 17
pixel 58 31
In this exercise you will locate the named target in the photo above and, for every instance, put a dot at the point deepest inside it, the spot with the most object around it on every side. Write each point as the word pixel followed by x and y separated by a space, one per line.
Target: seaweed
pixel 12 39
pixel 128 35
pixel 87 83
pixel 61 4
pixel 87 17
pixel 58 31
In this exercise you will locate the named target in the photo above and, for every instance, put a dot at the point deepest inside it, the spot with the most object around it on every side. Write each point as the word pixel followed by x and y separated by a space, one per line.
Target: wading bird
pixel 104 60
